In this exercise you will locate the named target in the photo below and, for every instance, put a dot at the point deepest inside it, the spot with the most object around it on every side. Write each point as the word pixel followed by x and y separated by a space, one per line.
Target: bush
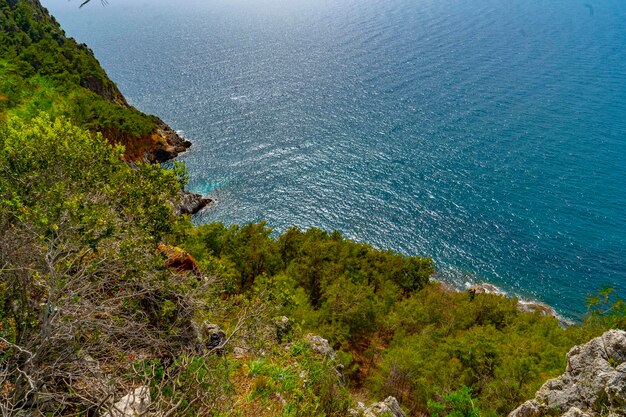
pixel 82 282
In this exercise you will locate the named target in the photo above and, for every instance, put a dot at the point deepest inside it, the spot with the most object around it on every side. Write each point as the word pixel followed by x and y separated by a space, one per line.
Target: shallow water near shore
pixel 488 135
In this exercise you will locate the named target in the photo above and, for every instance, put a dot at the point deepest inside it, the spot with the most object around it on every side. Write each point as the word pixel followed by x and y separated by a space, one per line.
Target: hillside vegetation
pixel 103 290
pixel 41 69
pixel 89 308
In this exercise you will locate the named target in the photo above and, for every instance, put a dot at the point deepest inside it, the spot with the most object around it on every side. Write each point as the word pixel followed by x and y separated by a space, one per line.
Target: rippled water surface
pixel 490 135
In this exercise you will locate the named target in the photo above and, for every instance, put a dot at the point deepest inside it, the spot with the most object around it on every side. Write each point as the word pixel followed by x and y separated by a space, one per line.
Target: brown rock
pixel 167 144
pixel 178 259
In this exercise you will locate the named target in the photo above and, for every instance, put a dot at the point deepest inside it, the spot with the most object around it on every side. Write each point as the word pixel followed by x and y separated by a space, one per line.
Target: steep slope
pixel 594 383
pixel 104 292
pixel 41 69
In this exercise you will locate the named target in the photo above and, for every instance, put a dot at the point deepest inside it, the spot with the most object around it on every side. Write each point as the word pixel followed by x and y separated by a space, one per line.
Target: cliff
pixel 111 305
pixel 41 67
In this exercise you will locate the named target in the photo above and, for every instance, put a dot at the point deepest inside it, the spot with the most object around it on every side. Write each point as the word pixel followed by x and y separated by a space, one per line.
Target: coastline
pixel 168 146
pixel 526 305
pixel 190 203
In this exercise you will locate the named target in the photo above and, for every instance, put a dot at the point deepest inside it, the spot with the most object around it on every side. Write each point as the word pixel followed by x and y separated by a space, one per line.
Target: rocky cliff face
pixel 594 383
pixel 167 144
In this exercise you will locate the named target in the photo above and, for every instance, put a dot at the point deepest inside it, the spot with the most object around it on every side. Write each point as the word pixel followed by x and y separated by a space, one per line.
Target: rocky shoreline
pixel 168 146
pixel 523 304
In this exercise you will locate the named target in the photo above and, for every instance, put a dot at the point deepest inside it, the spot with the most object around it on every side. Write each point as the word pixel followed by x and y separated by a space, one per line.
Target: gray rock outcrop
pixel 616 388
pixel 594 382
pixel 390 407
pixel 134 404
pixel 321 346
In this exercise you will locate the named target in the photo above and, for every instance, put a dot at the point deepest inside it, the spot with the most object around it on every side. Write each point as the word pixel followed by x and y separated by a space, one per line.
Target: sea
pixel 489 135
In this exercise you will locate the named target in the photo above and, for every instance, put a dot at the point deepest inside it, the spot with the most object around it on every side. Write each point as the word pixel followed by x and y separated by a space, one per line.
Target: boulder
pixel 354 413
pixel 594 382
pixel 178 259
pixel 339 372
pixel 190 203
pixel 134 404
pixel 321 346
pixel 239 352
pixel 393 407
pixel 575 412
pixel 528 409
pixel 485 288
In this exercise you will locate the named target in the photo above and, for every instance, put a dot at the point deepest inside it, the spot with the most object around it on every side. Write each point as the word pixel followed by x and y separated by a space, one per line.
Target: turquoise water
pixel 490 135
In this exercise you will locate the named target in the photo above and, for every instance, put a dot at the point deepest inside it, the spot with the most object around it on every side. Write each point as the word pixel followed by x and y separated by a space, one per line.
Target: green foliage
pixel 33 40
pixel 606 310
pixel 43 70
pixel 79 269
pixel 80 274
pixel 400 335
pixel 320 279
pixel 66 191
pixel 189 386
pixel 180 170
pixel 449 340
pixel 308 384
pixel 455 404
pixel 51 169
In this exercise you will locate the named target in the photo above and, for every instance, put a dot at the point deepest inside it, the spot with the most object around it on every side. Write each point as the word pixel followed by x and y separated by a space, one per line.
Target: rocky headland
pixel 167 144
pixel 190 203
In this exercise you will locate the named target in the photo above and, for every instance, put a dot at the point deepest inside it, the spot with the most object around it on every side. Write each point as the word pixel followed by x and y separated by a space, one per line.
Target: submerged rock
pixel 594 382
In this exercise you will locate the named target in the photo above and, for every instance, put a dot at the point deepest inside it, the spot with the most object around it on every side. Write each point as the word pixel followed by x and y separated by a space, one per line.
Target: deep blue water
pixel 490 135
